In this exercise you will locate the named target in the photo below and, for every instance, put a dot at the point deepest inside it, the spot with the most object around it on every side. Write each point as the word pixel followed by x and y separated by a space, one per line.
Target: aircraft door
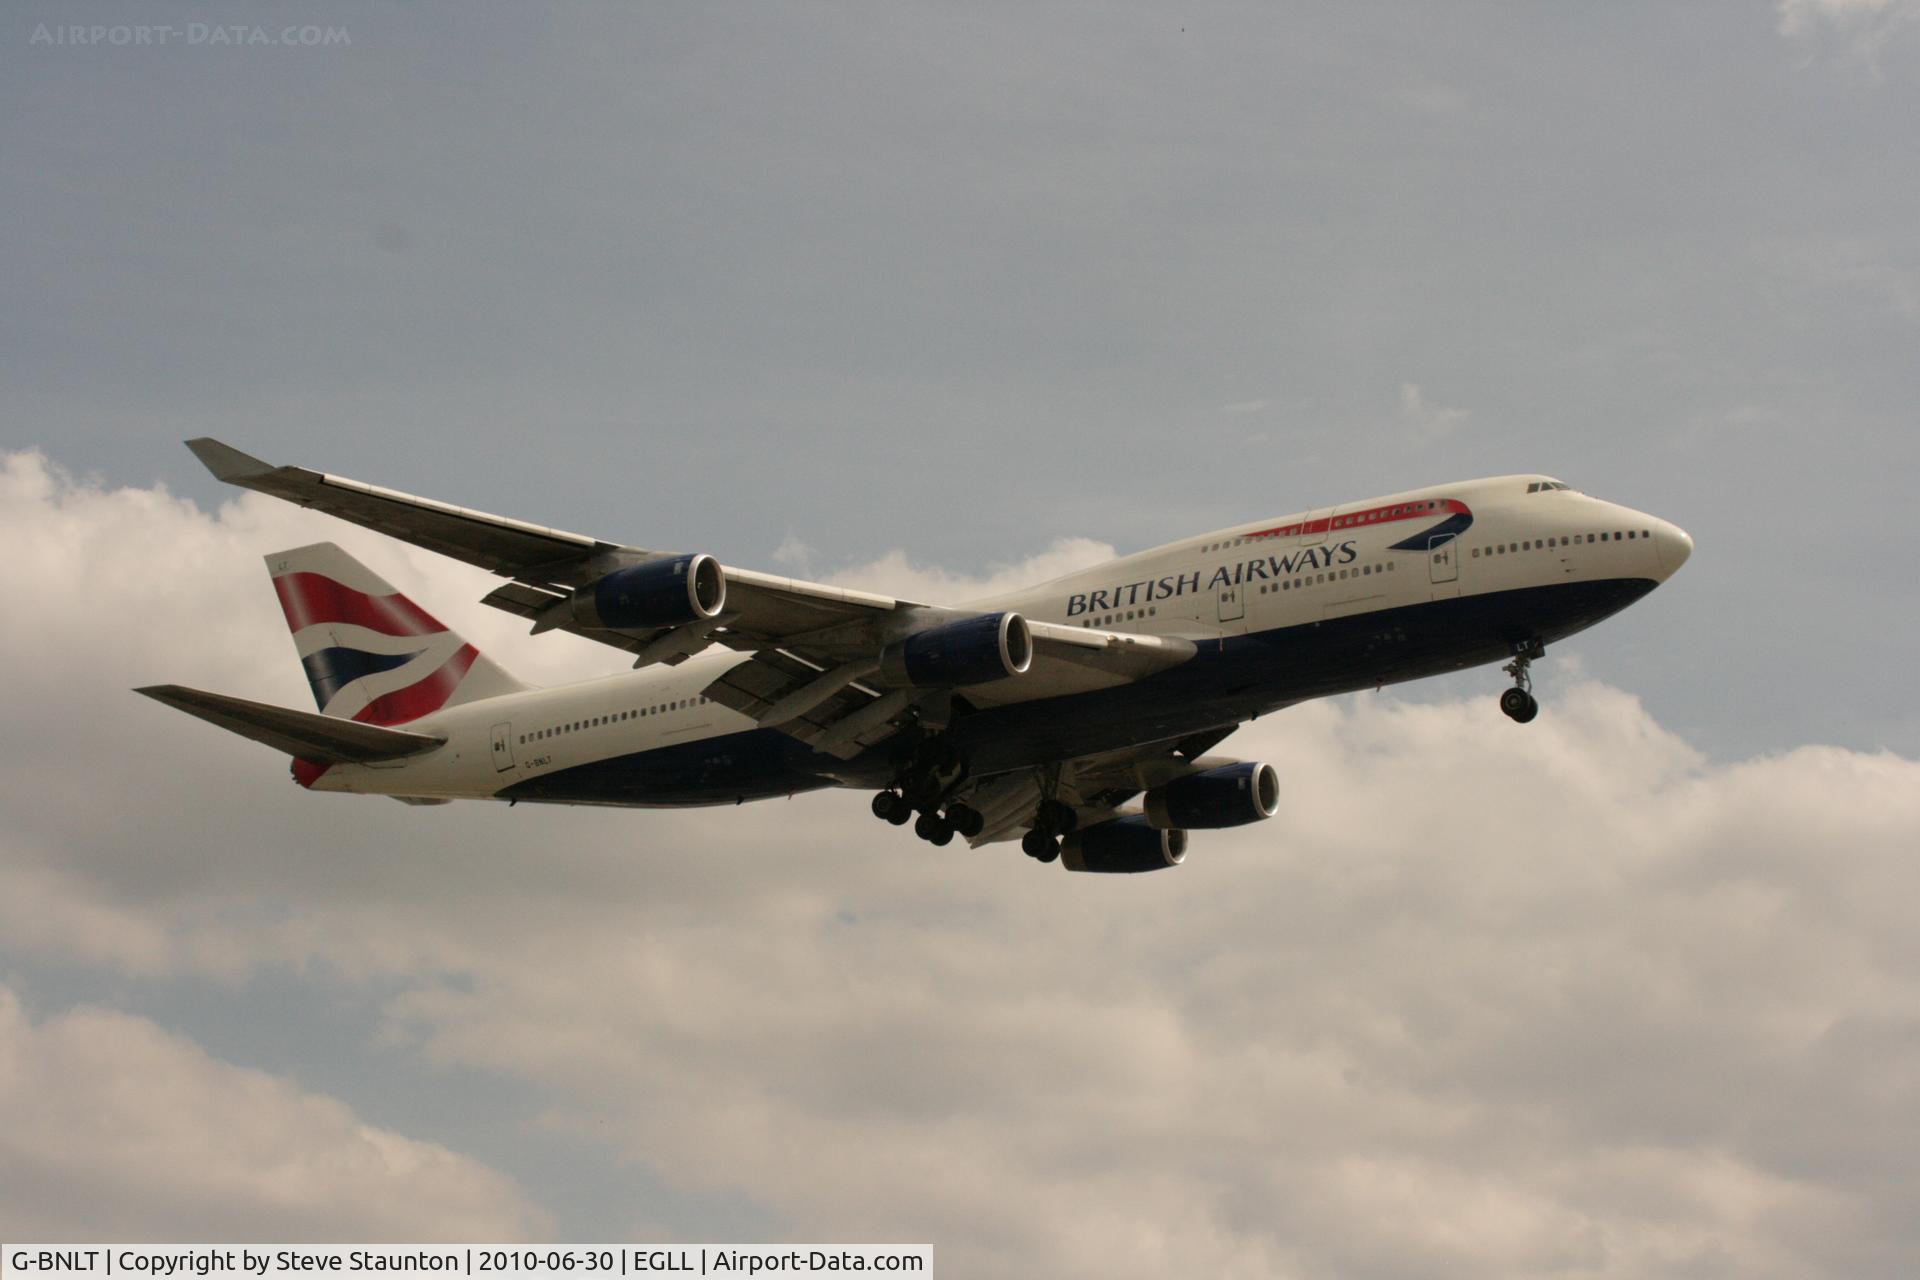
pixel 1314 529
pixel 502 747
pixel 1441 559
pixel 1232 607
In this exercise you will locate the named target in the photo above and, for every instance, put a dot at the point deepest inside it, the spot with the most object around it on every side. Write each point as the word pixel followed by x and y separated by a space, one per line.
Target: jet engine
pixel 992 646
pixel 657 593
pixel 1122 846
pixel 1229 796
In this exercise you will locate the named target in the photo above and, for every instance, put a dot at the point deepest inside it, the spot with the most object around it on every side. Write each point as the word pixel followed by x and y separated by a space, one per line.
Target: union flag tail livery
pixel 1074 716
pixel 371 654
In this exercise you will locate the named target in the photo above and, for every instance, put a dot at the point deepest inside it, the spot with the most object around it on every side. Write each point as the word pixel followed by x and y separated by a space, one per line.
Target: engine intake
pixel 658 593
pixel 1229 796
pixel 1123 846
pixel 992 646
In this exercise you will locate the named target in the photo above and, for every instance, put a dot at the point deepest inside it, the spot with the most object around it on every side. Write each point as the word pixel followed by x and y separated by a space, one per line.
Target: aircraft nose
pixel 1673 544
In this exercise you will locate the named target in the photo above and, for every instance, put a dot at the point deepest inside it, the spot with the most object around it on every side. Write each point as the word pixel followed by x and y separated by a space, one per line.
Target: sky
pixel 934 300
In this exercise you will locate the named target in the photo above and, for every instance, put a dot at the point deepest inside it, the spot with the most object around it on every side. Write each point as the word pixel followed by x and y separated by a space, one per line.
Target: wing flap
pixel 304 734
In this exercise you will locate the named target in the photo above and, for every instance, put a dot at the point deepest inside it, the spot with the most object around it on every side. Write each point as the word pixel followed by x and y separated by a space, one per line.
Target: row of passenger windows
pixel 1285 584
pixel 594 722
pixel 1543 544
pixel 1151 611
pixel 1331 575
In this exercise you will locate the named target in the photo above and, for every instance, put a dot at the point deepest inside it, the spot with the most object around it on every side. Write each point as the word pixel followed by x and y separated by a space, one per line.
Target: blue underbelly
pixel 1228 681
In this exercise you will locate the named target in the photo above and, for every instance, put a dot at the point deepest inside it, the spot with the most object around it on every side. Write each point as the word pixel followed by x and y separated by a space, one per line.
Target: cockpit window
pixel 1544 486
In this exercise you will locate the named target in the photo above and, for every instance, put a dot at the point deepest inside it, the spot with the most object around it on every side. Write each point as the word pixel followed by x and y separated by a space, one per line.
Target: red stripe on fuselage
pixel 1425 509
pixel 308 598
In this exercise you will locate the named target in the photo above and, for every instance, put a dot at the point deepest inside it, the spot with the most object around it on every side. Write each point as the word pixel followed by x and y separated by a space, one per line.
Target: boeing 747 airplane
pixel 1075 716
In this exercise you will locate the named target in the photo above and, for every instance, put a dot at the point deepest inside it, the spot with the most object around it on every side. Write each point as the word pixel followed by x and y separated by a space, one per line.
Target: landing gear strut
pixel 1518 702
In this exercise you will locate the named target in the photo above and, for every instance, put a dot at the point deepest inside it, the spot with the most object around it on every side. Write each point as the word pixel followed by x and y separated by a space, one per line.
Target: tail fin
pixel 371 654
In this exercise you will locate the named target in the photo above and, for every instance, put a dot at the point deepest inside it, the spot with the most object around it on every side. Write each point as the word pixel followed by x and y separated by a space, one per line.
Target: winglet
pixel 226 462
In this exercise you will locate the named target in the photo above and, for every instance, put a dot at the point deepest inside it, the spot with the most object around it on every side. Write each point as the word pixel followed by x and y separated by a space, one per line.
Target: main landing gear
pixel 1053 819
pixel 1518 702
pixel 934 773
pixel 935 825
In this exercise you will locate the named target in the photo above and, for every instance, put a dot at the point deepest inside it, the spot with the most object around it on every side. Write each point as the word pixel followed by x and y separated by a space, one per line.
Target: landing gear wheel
pixel 901 815
pixel 933 829
pixel 1055 818
pixel 1518 702
pixel 885 804
pixel 1040 846
pixel 966 820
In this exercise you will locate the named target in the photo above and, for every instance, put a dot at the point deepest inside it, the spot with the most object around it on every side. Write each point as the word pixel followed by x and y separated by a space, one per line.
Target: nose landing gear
pixel 1518 702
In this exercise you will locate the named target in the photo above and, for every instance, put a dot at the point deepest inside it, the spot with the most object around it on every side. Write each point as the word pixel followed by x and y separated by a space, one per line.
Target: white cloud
pixel 896 575
pixel 1427 422
pixel 1865 25
pixel 115 1128
pixel 794 553
pixel 1481 1001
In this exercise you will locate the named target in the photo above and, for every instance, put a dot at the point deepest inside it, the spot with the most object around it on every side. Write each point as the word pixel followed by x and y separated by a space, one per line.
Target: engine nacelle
pixel 992 646
pixel 1229 796
pixel 658 593
pixel 1122 846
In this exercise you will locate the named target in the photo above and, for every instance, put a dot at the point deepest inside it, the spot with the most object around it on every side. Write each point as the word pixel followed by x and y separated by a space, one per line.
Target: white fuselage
pixel 1509 534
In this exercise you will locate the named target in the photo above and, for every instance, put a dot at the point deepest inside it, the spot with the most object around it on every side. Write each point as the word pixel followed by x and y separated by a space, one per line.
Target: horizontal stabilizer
pixel 321 739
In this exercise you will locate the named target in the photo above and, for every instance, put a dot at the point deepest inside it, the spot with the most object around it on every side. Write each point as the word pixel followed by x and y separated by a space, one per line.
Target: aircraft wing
pixel 1096 786
pixel 815 646
pixel 507 547
pixel 546 565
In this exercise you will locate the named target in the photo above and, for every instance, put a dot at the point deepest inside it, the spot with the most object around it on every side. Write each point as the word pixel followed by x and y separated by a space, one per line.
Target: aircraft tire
pixel 966 820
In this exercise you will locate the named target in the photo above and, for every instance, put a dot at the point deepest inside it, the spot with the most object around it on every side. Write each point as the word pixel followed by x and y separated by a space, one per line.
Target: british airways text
pixel 1227 575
